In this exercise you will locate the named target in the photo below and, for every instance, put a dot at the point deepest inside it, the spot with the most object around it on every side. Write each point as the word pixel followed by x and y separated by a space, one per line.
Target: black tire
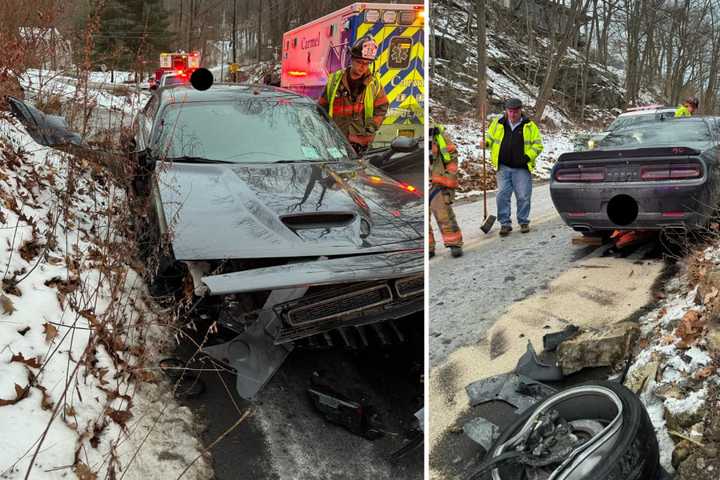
pixel 635 456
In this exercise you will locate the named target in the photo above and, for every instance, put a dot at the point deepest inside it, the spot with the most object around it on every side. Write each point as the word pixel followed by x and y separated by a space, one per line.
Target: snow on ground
pixel 100 92
pixel 467 136
pixel 78 337
pixel 675 367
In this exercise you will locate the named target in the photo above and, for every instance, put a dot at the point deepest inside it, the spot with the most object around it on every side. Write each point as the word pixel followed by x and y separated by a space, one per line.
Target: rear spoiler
pixel 631 153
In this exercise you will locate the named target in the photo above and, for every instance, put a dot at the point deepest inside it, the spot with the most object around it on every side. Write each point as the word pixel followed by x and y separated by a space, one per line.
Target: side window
pixel 151 108
pixel 399 56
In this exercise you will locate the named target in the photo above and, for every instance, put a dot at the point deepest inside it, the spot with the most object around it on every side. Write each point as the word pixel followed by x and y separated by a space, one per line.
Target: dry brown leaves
pixel 20 393
pixel 83 472
pixel 64 287
pixel 33 362
pixel 690 329
pixel 121 417
pixel 30 250
pixel 7 305
pixel 50 331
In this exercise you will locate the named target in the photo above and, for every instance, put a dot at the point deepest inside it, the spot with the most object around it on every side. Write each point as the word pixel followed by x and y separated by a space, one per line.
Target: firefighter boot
pixel 456 251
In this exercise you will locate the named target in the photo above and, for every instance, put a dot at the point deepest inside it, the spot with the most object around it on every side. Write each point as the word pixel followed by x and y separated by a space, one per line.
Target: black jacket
pixel 512 148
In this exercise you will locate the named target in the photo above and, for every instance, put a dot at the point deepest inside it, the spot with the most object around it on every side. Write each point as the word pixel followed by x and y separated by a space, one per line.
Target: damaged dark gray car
pixel 283 235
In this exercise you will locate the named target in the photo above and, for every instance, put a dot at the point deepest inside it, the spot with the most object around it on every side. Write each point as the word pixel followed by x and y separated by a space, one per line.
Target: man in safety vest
pixel 688 107
pixel 515 143
pixel 354 97
pixel 443 179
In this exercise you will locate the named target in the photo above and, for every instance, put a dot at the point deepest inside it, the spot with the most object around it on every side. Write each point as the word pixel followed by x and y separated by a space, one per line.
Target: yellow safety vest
pixel 531 135
pixel 371 92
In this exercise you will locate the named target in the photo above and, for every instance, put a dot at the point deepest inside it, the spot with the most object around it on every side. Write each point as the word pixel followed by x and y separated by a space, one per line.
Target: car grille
pixel 342 304
pixel 408 287
pixel 353 306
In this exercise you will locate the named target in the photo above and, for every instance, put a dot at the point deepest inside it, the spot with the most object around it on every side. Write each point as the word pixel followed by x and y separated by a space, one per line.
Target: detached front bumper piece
pixel 371 292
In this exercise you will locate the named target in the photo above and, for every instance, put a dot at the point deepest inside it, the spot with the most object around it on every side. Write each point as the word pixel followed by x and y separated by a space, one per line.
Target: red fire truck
pixel 180 63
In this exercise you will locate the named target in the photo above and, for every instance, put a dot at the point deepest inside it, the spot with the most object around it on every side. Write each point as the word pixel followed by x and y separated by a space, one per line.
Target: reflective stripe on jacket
pixel 531 137
pixel 443 170
pixel 372 91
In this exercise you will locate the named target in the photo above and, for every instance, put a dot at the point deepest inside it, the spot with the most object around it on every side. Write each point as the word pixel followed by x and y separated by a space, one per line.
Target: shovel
pixel 488 220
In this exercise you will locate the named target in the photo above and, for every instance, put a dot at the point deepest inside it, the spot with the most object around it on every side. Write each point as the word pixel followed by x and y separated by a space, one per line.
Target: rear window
pixel 671 132
pixel 173 81
pixel 629 120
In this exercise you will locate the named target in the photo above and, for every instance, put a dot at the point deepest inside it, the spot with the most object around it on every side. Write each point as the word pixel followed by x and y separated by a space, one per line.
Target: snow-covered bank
pixel 79 391
pixel 675 368
pixel 100 92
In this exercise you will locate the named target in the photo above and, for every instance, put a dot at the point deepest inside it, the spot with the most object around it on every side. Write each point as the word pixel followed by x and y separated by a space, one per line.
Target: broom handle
pixel 482 114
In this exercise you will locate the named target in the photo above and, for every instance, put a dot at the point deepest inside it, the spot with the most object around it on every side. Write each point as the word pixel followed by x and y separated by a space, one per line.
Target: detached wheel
pixel 614 439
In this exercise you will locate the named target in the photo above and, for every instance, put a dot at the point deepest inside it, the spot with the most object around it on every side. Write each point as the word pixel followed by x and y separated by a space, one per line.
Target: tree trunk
pixel 572 26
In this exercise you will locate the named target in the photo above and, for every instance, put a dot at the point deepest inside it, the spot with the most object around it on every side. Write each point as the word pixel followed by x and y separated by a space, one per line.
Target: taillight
pixel 580 175
pixel 671 172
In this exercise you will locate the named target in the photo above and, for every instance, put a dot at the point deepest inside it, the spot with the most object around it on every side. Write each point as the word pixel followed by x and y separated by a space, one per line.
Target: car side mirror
pixel 404 144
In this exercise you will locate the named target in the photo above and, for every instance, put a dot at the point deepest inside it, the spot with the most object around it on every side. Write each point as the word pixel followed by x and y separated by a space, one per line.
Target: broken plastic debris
pixel 531 366
pixel 517 390
pixel 482 432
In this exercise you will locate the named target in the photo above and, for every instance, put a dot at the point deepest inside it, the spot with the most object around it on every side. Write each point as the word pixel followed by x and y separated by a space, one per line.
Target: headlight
pixel 591 144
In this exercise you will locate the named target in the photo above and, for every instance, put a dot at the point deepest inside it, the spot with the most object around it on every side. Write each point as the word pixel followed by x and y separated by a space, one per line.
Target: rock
pixel 680 453
pixel 668 390
pixel 682 419
pixel 638 378
pixel 597 349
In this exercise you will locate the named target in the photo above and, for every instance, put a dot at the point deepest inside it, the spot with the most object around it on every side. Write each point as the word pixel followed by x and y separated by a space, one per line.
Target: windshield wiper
pixel 187 159
pixel 306 161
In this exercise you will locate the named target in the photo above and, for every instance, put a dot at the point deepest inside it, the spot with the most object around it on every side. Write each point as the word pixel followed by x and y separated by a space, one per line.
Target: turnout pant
pixel 441 209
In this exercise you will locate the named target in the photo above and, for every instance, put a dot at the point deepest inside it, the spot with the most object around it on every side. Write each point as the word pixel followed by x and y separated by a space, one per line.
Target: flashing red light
pixel 673 214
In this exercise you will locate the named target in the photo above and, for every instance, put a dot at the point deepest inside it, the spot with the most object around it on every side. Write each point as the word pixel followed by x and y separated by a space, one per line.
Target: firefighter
pixel 514 142
pixel 354 97
pixel 688 108
pixel 443 179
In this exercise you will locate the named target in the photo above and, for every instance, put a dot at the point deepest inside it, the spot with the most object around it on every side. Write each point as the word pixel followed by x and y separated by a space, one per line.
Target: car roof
pixel 226 92
pixel 646 111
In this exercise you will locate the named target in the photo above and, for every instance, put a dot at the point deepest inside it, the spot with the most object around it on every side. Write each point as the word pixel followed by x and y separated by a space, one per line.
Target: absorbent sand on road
pixel 593 293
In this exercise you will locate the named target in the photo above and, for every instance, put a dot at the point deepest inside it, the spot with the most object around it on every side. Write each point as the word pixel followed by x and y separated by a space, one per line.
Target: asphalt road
pixel 504 292
pixel 467 294
pixel 285 438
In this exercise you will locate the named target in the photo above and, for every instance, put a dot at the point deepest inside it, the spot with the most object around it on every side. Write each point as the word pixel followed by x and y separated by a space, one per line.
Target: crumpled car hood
pixel 222 211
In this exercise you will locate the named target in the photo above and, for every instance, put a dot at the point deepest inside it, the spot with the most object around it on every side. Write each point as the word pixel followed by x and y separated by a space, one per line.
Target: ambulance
pixel 313 51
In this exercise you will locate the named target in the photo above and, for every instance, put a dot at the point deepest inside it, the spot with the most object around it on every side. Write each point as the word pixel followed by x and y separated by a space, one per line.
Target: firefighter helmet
pixel 365 48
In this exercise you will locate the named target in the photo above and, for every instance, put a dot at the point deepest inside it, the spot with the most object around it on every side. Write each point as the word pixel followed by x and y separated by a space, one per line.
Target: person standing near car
pixel 443 179
pixel 515 143
pixel 688 108
pixel 354 97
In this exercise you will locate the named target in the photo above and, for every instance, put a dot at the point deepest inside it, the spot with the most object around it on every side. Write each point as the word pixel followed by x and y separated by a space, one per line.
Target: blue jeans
pixel 511 180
